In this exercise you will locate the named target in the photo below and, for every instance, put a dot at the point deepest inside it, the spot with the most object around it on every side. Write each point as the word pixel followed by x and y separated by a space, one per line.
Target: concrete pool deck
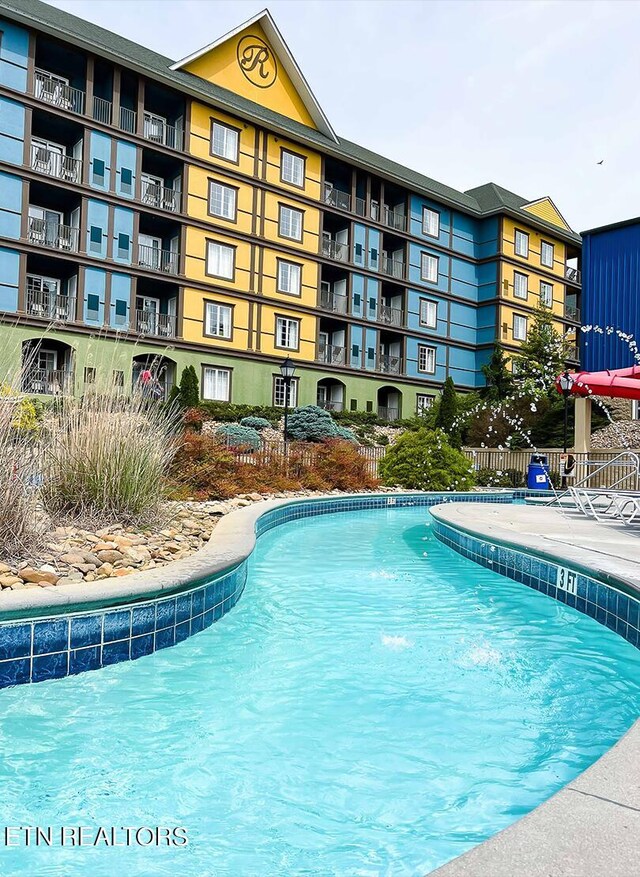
pixel 591 827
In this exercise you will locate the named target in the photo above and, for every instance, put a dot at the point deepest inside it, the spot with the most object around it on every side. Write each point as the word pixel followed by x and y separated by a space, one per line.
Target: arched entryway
pixel 389 403
pixel 153 375
pixel 330 394
pixel 47 367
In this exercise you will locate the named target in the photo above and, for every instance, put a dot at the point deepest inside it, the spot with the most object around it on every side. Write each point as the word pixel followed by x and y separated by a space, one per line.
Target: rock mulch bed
pixel 617 435
pixel 71 555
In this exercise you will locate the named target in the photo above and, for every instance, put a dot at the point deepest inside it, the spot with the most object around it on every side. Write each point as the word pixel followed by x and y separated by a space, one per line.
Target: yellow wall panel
pixel 309 279
pixel 313 166
pixel 506 323
pixel 195 258
pixel 308 324
pixel 534 279
pixel 193 322
pixel 200 138
pixel 548 211
pixel 310 223
pixel 198 200
pixel 535 238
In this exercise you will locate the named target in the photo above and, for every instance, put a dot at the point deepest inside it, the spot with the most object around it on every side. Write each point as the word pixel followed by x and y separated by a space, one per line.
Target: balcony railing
pixel 573 275
pixel 572 354
pixel 329 405
pixel 392 267
pixel 572 312
pixel 47 382
pixel 394 219
pixel 331 354
pixel 102 110
pixel 52 234
pixel 128 120
pixel 53 90
pixel 330 301
pixel 335 250
pixel 335 197
pixel 391 365
pixel 361 207
pixel 151 323
pixel 64 167
pixel 43 303
pixel 385 413
pixel 158 131
pixel 158 196
pixel 390 316
pixel 157 260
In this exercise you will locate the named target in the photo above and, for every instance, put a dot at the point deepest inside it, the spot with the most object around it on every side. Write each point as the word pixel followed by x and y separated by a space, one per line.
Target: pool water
pixel 375 705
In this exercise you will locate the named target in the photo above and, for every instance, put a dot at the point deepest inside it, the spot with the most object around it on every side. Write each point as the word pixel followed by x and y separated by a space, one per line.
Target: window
pixel 292 168
pixel 123 246
pixel 222 200
pixel 280 389
pixel 520 285
pixel 216 383
pixel 224 141
pixel 218 320
pixel 426 359
pixel 220 260
pixel 519 328
pixel 522 244
pixel 126 180
pixel 98 167
pixel 118 379
pixel 89 375
pixel 290 223
pixel 428 313
pixel 287 333
pixel 546 254
pixel 429 267
pixel 95 239
pixel 288 277
pixel 430 222
pixel 121 307
pixel 93 306
pixel 423 403
pixel 546 294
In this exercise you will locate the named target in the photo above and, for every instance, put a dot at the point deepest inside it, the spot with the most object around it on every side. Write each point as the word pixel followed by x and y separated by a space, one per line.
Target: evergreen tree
pixel 541 357
pixel 498 378
pixel 447 413
pixel 189 388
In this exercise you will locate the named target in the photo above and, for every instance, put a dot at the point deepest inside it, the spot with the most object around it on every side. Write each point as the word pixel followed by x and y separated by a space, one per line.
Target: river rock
pixel 108 556
pixel 38 576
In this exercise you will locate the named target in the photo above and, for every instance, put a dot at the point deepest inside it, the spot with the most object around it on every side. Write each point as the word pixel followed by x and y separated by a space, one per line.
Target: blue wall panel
pixel 95 280
pixel 14 55
pixel 371 349
pixel 99 161
pixel 10 205
pixel 120 301
pixel 122 244
pixel 357 294
pixel 11 131
pixel 356 344
pixel 125 169
pixel 97 228
pixel 9 276
pixel 415 220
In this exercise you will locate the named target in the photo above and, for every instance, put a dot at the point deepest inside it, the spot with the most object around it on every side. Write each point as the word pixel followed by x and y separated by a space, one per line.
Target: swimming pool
pixel 374 705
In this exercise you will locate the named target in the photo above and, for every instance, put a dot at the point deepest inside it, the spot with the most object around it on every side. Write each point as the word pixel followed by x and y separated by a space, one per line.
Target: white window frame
pixel 292 168
pixel 546 246
pixel 225 205
pixel 427 307
pixel 519 320
pixel 521 243
pixel 544 300
pixel 519 277
pixel 286 273
pixel 279 390
pixel 290 212
pixel 429 355
pixel 218 320
pixel 430 221
pixel 221 252
pixel 231 142
pixel 423 402
pixel 287 333
pixel 427 263
pixel 213 372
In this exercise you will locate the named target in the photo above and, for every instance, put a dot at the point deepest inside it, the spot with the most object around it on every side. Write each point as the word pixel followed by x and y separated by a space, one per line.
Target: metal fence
pixel 305 452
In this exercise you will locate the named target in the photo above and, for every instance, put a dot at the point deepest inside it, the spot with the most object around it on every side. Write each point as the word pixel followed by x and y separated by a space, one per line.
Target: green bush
pixel 311 424
pixel 424 460
pixel 189 393
pixel 236 436
pixel 504 478
pixel 228 412
pixel 344 433
pixel 357 418
pixel 258 423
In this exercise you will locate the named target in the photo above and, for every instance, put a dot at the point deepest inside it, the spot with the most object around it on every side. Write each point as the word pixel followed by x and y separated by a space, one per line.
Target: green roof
pixel 481 201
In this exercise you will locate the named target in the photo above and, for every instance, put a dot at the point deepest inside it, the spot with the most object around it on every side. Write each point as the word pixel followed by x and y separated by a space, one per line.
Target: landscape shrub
pixel 186 394
pixel 501 478
pixel 346 434
pixel 424 460
pixel 18 497
pixel 311 424
pixel 229 412
pixel 338 465
pixel 253 422
pixel 236 436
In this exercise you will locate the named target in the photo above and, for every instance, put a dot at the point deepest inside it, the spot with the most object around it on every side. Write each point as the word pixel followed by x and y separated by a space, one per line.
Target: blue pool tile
pixel 114 653
pixel 197 624
pixel 50 667
pixel 611 621
pixel 117 625
pixel 183 608
pixel 86 630
pixel 582 587
pixel 208 618
pixel 592 591
pixel 210 596
pixel 581 604
pixel 50 636
pixel 15 640
pixel 143 619
pixel 217 611
pixel 165 638
pixel 182 631
pixel 623 607
pixel 592 610
pixel 141 645
pixel 633 635
pixel 612 602
pixel 81 660
pixel 15 672
pixel 165 614
pixel 197 606
pixel 633 613
pixel 603 596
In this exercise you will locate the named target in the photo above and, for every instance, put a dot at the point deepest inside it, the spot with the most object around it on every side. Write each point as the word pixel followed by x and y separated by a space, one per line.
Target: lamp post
pixel 566 383
pixel 287 370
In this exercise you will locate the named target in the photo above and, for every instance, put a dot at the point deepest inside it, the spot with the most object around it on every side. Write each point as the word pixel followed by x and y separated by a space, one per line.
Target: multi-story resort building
pixel 156 214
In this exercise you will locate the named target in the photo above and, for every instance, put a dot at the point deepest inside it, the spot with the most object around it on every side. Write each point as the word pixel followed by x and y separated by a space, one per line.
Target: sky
pixel 529 94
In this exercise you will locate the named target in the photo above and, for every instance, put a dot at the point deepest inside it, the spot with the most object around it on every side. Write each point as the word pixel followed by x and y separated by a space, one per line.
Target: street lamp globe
pixel 287 368
pixel 566 381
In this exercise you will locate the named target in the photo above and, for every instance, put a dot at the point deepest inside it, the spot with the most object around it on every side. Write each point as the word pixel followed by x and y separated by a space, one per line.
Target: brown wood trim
pixel 293 295
pixel 215 121
pixel 233 247
pixel 304 168
pixel 210 182
pixel 281 205
pixel 222 304
pixel 277 317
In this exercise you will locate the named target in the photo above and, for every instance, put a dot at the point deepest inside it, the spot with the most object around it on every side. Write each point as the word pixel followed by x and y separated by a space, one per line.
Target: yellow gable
pixel 247 65
pixel 547 210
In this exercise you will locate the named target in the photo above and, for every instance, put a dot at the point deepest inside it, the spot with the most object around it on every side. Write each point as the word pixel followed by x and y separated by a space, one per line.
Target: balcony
pixel 394 219
pixel 332 355
pixel 47 382
pixel 335 250
pixel 572 354
pixel 102 110
pixel 46 303
pixel 158 260
pixel 152 323
pixel 330 301
pixel 573 275
pixel 55 164
pixel 159 196
pixel 157 130
pixel 335 197
pixel 572 312
pixel 53 235
pixel 56 91
pixel 392 267
pixel 390 316
pixel 128 120
pixel 328 404
pixel 391 365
